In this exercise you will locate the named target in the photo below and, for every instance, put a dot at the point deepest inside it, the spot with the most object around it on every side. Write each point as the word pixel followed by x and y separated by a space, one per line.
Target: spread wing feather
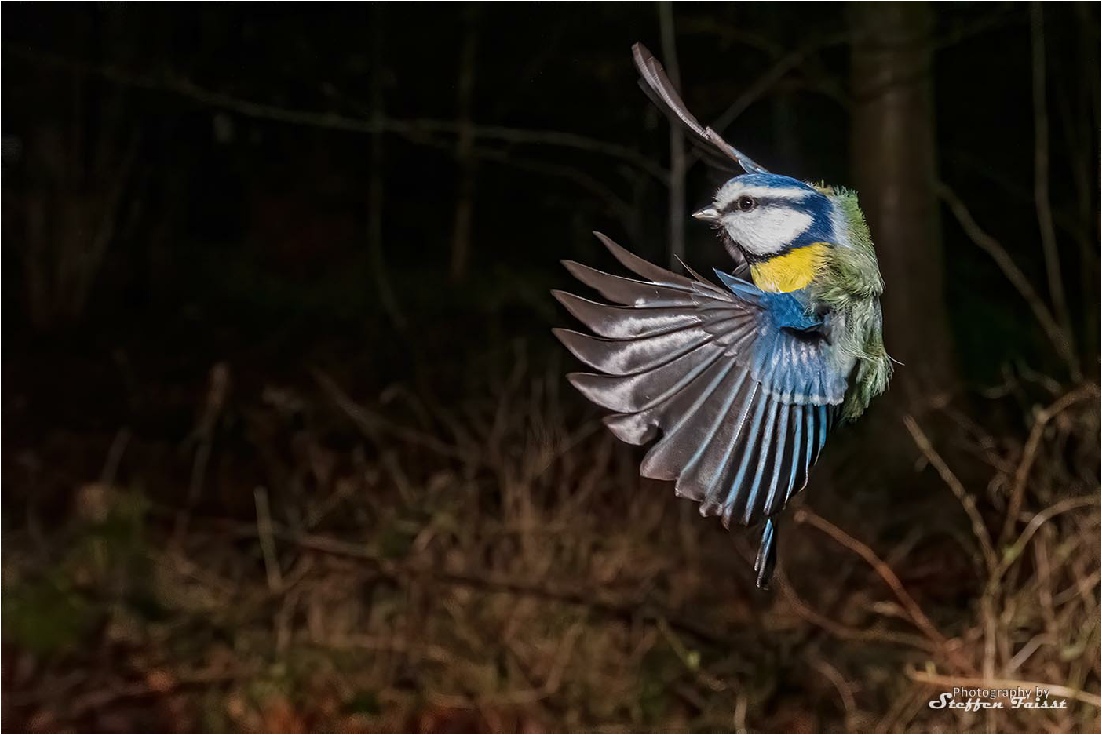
pixel 740 405
pixel 660 89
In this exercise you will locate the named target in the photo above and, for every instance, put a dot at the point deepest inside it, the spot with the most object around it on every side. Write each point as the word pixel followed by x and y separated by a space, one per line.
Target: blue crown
pixel 772 181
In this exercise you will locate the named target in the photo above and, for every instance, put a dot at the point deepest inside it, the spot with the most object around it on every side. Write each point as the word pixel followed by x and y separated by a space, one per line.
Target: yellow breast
pixel 789 272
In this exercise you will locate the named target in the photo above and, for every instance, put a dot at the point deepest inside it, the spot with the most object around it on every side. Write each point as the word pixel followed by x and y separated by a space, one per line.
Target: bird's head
pixel 765 215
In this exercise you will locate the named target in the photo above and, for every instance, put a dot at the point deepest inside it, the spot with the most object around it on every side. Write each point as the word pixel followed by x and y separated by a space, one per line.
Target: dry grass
pixel 1037 620
pixel 500 567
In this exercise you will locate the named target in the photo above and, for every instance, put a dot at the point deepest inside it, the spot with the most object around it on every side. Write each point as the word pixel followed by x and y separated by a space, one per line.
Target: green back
pixel 849 283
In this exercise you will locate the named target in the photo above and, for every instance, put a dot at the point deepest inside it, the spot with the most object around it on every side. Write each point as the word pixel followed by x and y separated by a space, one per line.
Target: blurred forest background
pixel 287 443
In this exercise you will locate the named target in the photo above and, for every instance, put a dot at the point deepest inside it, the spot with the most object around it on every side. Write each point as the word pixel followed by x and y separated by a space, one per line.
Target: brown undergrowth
pixel 499 566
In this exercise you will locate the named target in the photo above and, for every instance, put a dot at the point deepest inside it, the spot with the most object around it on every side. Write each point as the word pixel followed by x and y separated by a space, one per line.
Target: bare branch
pixel 914 613
pixel 1029 453
pixel 616 204
pixel 413 129
pixel 847 632
pixel 979 528
pixel 1014 274
pixel 758 89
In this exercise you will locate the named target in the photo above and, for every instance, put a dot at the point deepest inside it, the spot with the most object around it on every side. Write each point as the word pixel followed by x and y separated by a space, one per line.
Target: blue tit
pixel 742 381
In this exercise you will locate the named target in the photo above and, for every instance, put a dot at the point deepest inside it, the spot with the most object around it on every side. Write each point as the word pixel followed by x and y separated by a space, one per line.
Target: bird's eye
pixel 746 203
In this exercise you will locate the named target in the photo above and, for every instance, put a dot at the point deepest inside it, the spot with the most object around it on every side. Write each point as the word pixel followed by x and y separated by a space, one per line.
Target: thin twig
pixel 114 457
pixel 690 659
pixel 1029 454
pixel 1037 521
pixel 979 528
pixel 552 682
pixel 81 706
pixel 215 404
pixel 845 632
pixel 1060 340
pixel 782 65
pixel 1079 588
pixel 774 74
pixel 616 203
pixel 414 129
pixel 914 612
pixel 1026 651
pixel 370 423
pixel 107 229
pixel 843 687
pixel 266 534
pixel 1040 181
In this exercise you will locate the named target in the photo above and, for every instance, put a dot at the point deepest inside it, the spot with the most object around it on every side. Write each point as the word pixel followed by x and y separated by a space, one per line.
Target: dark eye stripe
pixel 758 203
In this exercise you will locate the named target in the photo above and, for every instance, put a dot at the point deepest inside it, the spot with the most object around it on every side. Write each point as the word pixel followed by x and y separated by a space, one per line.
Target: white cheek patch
pixel 768 230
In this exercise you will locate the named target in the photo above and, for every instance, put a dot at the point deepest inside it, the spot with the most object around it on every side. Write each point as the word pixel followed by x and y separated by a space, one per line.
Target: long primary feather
pixel 683 361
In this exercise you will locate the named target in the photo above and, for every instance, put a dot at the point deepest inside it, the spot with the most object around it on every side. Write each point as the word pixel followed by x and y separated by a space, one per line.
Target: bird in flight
pixel 742 381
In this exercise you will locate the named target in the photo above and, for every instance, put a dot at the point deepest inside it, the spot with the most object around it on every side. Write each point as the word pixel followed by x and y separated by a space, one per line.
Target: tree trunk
pixel 895 171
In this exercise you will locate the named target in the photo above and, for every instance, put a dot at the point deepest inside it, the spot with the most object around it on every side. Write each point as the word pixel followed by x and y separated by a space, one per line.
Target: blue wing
pixel 739 386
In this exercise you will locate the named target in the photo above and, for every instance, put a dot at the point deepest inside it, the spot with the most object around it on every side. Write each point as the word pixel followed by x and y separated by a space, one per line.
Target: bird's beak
pixel 708 214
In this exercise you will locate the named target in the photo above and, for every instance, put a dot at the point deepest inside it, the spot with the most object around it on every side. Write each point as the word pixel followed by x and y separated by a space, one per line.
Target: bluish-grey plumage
pixel 734 379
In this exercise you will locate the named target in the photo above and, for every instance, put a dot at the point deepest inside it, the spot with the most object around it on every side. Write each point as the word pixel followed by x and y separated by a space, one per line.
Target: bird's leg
pixel 767 555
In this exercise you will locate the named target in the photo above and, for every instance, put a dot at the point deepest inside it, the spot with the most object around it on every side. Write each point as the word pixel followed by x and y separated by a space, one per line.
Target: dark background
pixel 277 276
